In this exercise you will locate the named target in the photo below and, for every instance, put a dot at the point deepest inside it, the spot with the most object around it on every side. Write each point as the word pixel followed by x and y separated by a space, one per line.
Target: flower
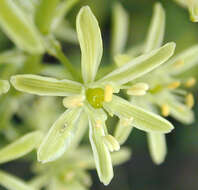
pixel 165 89
pixel 94 100
pixel 192 6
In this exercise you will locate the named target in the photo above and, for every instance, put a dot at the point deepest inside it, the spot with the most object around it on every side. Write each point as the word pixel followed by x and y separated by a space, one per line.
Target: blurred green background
pixel 180 169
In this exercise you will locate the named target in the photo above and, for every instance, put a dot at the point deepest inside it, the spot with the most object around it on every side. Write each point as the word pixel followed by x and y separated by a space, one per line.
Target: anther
pixel 179 63
pixel 190 82
pixel 174 85
pixel 108 93
pixel 138 89
pixel 190 100
pixel 165 110
pixel 73 101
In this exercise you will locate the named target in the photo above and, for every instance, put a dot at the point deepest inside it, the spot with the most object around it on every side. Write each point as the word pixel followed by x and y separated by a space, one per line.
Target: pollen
pixel 165 110
pixel 190 82
pixel 190 100
pixel 174 85
pixel 108 93
pixel 95 97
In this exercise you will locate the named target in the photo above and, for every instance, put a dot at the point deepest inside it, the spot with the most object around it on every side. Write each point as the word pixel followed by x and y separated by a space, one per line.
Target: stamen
pixel 174 85
pixel 138 89
pixel 98 123
pixel 190 82
pixel 126 122
pixel 190 100
pixel 73 101
pixel 165 110
pixel 111 143
pixel 179 63
pixel 108 93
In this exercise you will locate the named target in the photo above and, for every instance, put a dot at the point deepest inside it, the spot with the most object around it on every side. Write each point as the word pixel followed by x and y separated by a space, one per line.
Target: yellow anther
pixel 190 82
pixel 174 85
pixel 165 110
pixel 126 122
pixel 179 63
pixel 190 100
pixel 98 123
pixel 138 89
pixel 108 93
pixel 73 101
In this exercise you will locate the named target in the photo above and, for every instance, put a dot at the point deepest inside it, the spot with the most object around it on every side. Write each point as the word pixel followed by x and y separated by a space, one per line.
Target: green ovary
pixel 95 96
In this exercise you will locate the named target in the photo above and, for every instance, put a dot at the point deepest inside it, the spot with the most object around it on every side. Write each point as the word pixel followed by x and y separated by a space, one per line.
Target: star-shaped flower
pixel 95 99
pixel 165 90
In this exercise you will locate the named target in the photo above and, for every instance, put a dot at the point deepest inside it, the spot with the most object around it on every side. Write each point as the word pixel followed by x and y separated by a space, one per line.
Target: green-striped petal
pixel 120 21
pixel 90 40
pixel 13 183
pixel 101 154
pixel 140 65
pixel 4 86
pixel 156 30
pixel 142 119
pixel 20 147
pixel 59 136
pixel 157 147
pixel 19 28
pixel 45 86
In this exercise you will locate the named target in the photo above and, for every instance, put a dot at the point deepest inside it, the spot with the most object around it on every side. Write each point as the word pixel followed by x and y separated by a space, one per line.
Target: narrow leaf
pixel 20 147
pixel 142 119
pixel 140 65
pixel 45 86
pixel 19 28
pixel 59 136
pixel 157 147
pixel 156 30
pixel 90 40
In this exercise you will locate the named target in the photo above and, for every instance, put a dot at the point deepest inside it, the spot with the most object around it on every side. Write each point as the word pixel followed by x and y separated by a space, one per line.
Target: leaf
pixel 13 183
pixel 157 147
pixel 20 147
pixel 59 136
pixel 45 86
pixel 142 119
pixel 140 65
pixel 19 28
pixel 4 86
pixel 120 23
pixel 156 29
pixel 90 40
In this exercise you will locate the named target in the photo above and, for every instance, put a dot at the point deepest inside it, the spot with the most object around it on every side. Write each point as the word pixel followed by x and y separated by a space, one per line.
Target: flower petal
pixel 188 58
pixel 157 147
pixel 90 40
pixel 140 65
pixel 19 28
pixel 20 147
pixel 101 153
pixel 120 21
pixel 156 30
pixel 44 15
pixel 142 119
pixel 4 86
pixel 45 86
pixel 59 136
pixel 13 183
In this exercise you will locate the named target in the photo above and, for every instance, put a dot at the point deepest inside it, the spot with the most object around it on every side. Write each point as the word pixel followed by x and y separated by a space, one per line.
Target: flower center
pixel 95 96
